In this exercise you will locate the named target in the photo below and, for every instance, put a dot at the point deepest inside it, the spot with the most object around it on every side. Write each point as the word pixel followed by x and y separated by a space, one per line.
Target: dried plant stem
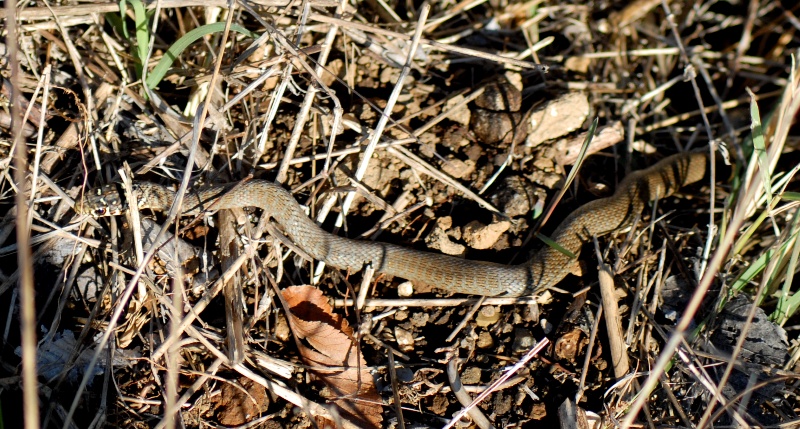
pixel 619 353
pixel 30 385
pixel 454 378
pixel 378 131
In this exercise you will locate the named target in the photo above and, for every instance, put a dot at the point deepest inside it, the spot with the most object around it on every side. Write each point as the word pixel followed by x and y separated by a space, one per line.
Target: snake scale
pixel 546 268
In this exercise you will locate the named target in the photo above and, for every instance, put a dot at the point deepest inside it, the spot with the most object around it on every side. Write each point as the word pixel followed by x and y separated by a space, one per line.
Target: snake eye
pixel 99 212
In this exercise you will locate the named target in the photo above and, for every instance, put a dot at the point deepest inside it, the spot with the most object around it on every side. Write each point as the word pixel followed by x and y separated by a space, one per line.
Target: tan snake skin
pixel 547 267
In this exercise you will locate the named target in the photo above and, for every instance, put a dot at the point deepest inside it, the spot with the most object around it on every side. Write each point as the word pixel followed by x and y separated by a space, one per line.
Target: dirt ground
pixel 477 145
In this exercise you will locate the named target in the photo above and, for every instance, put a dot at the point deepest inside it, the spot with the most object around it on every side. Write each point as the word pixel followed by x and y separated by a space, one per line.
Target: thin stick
pixel 588 359
pixel 378 132
pixel 454 378
pixel 30 385
pixel 494 386
pixel 619 353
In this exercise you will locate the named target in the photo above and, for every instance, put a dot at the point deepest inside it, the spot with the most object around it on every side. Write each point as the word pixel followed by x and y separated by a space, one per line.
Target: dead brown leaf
pixel 328 345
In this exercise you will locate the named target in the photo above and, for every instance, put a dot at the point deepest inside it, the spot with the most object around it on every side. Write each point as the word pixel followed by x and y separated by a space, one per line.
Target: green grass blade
pixel 160 70
pixel 548 241
pixel 787 304
pixel 120 21
pixel 791 196
pixel 142 34
pixel 754 269
pixel 758 144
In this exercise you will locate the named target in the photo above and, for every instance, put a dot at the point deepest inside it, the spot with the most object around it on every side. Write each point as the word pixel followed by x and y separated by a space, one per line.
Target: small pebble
pixel 480 236
pixel 420 319
pixel 487 316
pixel 547 327
pixel 557 118
pixel 439 237
pixel 457 168
pixel 523 340
pixel 282 331
pixel 471 375
pixel 405 339
pixel 404 375
pixel 485 340
pixel 405 289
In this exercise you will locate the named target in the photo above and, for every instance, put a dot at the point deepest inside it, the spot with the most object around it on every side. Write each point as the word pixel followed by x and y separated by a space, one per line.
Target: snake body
pixel 546 268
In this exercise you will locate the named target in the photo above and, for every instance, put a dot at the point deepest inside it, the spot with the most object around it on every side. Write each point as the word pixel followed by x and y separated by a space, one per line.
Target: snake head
pixel 103 201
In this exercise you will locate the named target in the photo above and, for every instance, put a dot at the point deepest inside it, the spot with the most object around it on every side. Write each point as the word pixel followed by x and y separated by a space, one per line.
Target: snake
pixel 547 267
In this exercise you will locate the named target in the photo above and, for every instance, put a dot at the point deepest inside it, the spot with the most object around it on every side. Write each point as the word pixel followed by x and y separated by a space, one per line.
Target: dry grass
pixel 328 100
